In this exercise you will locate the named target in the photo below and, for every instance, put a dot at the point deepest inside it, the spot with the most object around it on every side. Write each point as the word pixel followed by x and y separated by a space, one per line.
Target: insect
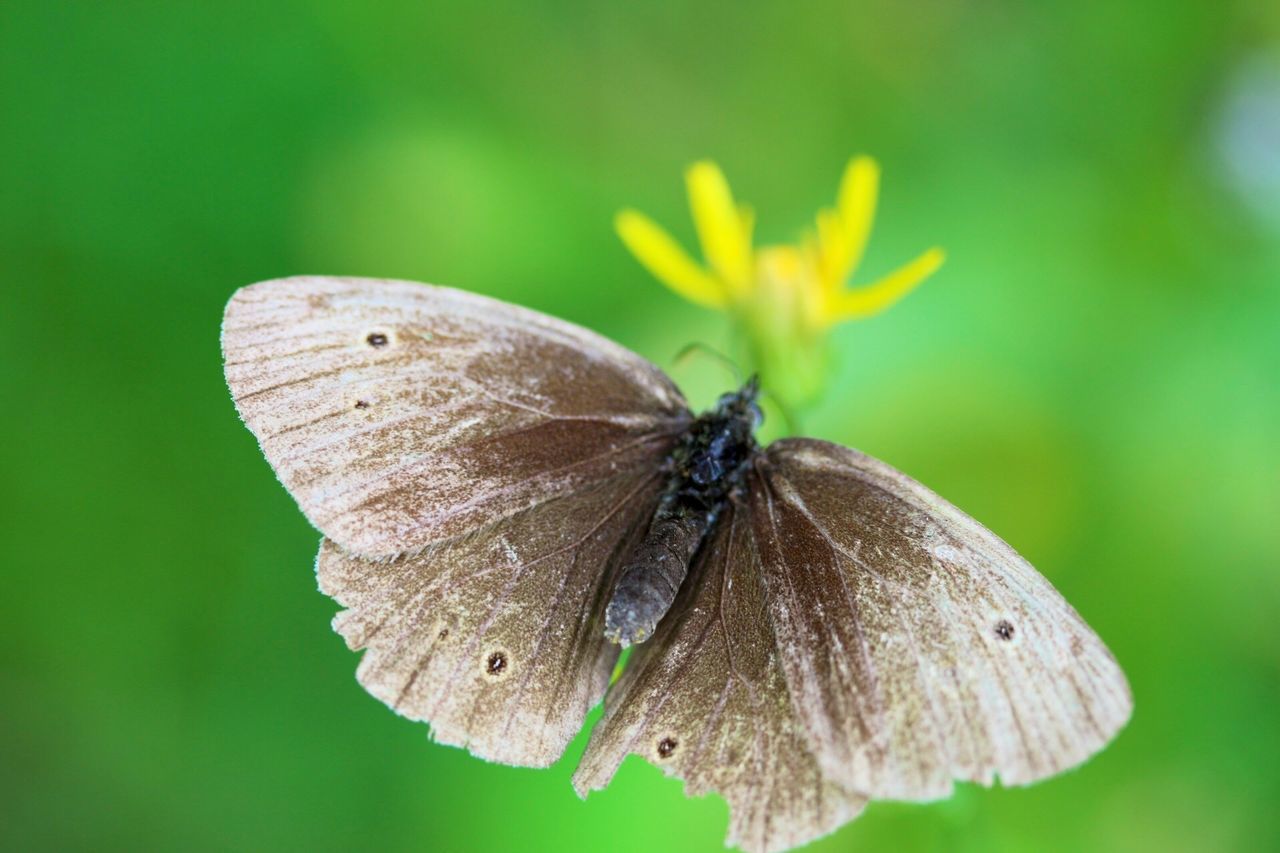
pixel 507 499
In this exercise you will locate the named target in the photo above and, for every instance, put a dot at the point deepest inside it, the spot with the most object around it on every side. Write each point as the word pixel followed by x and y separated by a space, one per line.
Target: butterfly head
pixel 721 440
pixel 742 404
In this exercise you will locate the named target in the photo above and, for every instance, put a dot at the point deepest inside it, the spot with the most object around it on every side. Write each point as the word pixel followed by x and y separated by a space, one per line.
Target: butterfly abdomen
pixel 651 578
pixel 706 466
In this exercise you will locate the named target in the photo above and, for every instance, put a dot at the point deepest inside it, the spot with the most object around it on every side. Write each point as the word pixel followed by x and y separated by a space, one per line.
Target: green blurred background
pixel 1093 373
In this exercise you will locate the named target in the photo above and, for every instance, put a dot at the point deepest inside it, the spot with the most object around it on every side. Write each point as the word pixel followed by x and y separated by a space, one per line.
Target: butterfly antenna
pixel 706 349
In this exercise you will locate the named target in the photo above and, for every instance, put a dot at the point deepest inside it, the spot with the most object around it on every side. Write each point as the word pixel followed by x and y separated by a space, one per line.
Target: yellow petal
pixel 720 227
pixel 876 297
pixel 747 220
pixel 832 251
pixel 856 209
pixel 669 263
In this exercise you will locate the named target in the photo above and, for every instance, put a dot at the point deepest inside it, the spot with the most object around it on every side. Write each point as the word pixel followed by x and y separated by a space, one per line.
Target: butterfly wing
pixel 477 469
pixel 917 646
pixel 706 700
pixel 401 414
pixel 497 638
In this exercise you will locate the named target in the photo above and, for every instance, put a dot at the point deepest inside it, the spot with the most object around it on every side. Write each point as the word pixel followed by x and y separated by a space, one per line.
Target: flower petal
pixel 669 263
pixel 747 218
pixel 719 224
pixel 832 250
pixel 874 298
pixel 845 235
pixel 856 202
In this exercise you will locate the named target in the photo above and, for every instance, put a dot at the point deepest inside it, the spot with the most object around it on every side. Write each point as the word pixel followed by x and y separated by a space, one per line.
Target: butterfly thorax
pixel 708 463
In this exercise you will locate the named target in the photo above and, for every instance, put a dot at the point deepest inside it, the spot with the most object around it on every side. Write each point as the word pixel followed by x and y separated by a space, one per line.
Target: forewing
pixel 705 700
pixel 401 414
pixel 496 638
pixel 918 647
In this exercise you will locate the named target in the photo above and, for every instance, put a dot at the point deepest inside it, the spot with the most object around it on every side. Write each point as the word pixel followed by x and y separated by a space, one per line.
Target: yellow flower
pixel 786 298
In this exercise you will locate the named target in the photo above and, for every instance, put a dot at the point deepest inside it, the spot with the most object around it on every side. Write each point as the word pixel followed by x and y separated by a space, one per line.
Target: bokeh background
pixel 1093 373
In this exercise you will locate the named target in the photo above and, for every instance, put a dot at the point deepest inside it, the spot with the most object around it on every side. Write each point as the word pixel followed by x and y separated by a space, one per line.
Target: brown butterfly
pixel 506 498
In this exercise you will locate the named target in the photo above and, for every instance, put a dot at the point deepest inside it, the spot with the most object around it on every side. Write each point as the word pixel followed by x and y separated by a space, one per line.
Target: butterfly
pixel 508 499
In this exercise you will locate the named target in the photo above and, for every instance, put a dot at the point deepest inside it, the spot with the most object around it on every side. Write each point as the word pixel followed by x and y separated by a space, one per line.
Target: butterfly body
pixel 506 497
pixel 706 467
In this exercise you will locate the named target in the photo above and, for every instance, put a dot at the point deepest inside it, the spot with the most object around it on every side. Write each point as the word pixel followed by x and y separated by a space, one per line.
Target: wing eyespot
pixel 361 404
pixel 377 340
pixel 667 747
pixel 1004 630
pixel 443 635
pixel 496 665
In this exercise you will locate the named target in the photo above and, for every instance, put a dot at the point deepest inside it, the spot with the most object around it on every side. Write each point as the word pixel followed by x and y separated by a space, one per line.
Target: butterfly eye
pixel 497 663
pixel 1004 630
pixel 377 339
pixel 666 747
